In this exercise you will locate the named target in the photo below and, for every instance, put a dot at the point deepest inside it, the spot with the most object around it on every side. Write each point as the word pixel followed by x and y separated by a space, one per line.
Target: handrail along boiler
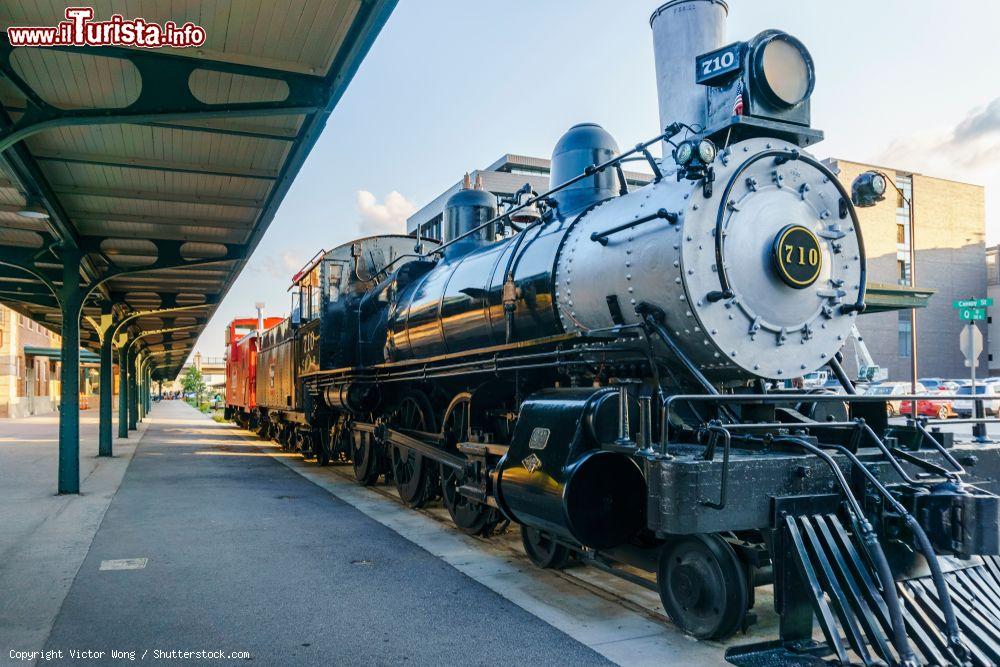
pixel 597 365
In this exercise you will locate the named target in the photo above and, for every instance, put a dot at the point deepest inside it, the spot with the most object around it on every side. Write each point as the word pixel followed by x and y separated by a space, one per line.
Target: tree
pixel 193 383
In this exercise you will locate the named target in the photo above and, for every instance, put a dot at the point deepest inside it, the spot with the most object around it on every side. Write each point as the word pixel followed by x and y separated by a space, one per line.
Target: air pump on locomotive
pixel 598 366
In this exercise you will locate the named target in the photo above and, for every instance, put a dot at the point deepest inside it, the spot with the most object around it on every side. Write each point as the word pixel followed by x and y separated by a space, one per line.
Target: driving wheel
pixel 365 457
pixel 470 516
pixel 415 476
pixel 542 549
pixel 703 586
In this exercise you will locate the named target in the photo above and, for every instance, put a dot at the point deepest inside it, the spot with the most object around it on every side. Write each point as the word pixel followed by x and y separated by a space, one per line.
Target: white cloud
pixel 283 265
pixel 968 151
pixel 386 218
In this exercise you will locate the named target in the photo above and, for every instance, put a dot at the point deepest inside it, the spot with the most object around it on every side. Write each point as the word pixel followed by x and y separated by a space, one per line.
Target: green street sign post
pixel 971 343
pixel 972 314
pixel 972 309
pixel 972 303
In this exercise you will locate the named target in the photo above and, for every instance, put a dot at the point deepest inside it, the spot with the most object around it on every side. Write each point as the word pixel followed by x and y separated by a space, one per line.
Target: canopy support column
pixel 122 387
pixel 71 297
pixel 104 447
pixel 140 396
pixel 133 390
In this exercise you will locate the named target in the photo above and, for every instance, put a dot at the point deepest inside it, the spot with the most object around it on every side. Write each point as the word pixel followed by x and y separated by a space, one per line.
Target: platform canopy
pixel 161 168
pixel 883 297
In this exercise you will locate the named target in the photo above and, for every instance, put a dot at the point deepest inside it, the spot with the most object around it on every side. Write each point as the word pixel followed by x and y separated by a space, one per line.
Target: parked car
pixel 940 385
pixel 990 393
pixel 888 389
pixel 928 407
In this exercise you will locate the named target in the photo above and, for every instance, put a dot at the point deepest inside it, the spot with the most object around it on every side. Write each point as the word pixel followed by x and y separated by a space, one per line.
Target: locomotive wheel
pixel 469 516
pixel 365 459
pixel 703 586
pixel 543 550
pixel 415 476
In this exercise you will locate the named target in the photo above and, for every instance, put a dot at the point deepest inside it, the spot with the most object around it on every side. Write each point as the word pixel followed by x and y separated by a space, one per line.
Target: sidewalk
pixel 45 537
pixel 212 545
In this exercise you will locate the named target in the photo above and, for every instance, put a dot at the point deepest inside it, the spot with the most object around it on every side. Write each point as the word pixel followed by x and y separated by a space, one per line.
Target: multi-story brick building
pixel 29 368
pixel 950 247
pixel 950 230
pixel 29 383
pixel 993 322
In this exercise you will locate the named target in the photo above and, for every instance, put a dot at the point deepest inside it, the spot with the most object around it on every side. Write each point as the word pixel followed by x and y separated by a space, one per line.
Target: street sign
pixel 972 314
pixel 972 303
pixel 971 343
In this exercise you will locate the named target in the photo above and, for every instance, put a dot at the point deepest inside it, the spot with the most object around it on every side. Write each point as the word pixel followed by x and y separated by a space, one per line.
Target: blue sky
pixel 451 85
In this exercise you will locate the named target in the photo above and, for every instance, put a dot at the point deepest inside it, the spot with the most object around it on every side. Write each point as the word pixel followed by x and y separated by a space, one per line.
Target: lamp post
pixel 868 189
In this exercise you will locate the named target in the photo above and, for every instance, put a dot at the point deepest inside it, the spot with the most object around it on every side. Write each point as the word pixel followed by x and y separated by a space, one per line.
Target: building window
pixel 22 381
pixel 529 171
pixel 905 183
pixel 992 266
pixel 905 328
pixel 900 234
pixel 903 271
pixel 432 230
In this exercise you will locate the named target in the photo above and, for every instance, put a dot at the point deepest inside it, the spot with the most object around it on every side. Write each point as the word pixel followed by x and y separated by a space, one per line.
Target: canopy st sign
pixel 972 309
pixel 972 303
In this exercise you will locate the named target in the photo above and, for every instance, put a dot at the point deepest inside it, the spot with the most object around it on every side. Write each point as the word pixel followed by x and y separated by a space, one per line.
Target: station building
pixel 950 250
pixel 30 367
pixel 992 351
pixel 949 231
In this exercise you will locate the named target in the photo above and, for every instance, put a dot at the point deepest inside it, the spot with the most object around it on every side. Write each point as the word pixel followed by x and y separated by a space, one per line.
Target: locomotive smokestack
pixel 682 31
pixel 260 315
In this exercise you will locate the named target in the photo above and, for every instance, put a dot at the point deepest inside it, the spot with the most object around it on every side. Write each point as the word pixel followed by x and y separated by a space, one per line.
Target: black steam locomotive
pixel 600 365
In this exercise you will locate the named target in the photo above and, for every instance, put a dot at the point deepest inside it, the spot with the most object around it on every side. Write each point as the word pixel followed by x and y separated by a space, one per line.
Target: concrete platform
pixel 212 545
pixel 45 537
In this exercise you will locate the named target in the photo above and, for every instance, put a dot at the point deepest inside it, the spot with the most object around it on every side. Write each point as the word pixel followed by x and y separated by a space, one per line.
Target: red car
pixel 928 408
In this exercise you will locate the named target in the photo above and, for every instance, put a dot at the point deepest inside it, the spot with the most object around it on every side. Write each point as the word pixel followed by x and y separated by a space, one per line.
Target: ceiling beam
pixel 150 195
pixel 217 223
pixel 105 160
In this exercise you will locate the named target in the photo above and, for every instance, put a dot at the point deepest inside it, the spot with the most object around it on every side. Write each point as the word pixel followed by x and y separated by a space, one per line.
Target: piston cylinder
pixel 557 478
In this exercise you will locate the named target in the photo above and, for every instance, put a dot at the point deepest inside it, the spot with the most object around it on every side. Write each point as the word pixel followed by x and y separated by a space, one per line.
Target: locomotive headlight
pixel 868 189
pixel 783 69
pixel 683 153
pixel 878 184
pixel 706 151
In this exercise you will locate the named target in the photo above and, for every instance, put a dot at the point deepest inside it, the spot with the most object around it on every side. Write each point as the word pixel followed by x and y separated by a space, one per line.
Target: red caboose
pixel 242 345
